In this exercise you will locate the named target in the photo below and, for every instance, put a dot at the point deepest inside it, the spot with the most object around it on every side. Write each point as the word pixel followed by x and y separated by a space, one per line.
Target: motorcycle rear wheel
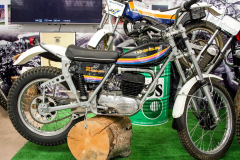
pixel 203 30
pixel 49 129
pixel 197 137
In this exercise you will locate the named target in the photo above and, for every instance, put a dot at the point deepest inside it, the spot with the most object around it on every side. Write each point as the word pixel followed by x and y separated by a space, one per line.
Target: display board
pixel 56 11
pixel 56 38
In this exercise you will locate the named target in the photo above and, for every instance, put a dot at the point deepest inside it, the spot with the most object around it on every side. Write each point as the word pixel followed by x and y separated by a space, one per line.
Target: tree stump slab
pixel 104 138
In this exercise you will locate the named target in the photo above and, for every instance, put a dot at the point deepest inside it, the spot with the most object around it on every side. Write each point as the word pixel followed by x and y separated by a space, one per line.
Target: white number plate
pixel 115 8
pixel 230 25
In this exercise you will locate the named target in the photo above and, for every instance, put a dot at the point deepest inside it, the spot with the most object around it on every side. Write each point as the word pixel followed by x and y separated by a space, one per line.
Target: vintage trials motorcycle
pixel 45 102
pixel 136 19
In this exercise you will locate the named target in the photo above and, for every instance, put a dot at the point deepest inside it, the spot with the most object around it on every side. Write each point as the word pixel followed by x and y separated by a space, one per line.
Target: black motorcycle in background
pixel 7 69
pixel 234 62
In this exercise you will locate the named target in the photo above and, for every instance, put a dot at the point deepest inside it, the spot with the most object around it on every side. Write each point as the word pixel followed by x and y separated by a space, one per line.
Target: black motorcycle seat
pixel 76 53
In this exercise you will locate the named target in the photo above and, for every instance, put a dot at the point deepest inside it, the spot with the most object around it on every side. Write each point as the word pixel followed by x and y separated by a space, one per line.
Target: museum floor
pixel 10 140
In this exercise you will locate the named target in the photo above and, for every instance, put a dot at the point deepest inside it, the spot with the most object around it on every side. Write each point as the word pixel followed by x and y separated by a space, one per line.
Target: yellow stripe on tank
pixel 131 4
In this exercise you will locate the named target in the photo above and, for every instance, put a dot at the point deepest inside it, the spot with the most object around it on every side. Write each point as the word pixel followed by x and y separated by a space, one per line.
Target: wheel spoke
pixel 202 136
pixel 223 114
pixel 211 137
pixel 193 129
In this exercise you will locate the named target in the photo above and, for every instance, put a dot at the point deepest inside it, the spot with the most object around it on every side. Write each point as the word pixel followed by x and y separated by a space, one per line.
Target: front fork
pixel 111 36
pixel 110 39
pixel 199 73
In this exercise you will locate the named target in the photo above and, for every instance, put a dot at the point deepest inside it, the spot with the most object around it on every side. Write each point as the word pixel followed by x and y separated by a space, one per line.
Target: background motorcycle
pixel 198 30
pixel 7 69
pixel 235 50
pixel 45 102
pixel 235 63
pixel 230 26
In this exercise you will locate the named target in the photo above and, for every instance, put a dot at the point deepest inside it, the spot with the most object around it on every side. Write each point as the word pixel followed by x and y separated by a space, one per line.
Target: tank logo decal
pixel 146 50
pixel 92 78
pixel 142 59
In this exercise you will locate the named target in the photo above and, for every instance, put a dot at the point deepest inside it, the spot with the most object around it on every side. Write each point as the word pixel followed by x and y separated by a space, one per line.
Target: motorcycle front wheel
pixel 200 138
pixel 47 129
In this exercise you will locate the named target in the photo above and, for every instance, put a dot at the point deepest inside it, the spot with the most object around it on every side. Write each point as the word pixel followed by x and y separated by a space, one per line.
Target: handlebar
pixel 187 5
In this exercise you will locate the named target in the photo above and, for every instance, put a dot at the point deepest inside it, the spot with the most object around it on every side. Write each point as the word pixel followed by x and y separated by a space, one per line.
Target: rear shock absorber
pixel 208 56
pixel 81 88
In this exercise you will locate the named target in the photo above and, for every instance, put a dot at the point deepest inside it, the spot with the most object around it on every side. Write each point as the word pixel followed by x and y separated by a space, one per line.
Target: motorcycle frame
pixel 91 103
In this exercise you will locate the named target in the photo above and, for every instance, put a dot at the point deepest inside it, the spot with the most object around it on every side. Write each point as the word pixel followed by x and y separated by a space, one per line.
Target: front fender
pixel 29 54
pixel 97 37
pixel 179 104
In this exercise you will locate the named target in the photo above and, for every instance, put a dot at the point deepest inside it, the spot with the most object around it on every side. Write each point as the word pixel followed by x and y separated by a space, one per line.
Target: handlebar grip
pixel 187 5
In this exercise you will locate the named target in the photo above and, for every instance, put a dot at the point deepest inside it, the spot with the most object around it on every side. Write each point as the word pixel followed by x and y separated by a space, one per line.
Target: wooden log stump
pixel 105 137
pixel 237 102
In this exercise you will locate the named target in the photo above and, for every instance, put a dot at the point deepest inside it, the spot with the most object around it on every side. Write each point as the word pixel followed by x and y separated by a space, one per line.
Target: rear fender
pixel 50 53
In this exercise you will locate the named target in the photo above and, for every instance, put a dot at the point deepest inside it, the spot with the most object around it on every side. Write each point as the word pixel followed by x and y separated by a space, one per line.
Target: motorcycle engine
pixel 115 103
pixel 122 101
pixel 132 84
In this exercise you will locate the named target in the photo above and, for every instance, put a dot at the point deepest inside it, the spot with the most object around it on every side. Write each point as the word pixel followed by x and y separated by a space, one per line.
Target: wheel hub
pixel 206 120
pixel 38 110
